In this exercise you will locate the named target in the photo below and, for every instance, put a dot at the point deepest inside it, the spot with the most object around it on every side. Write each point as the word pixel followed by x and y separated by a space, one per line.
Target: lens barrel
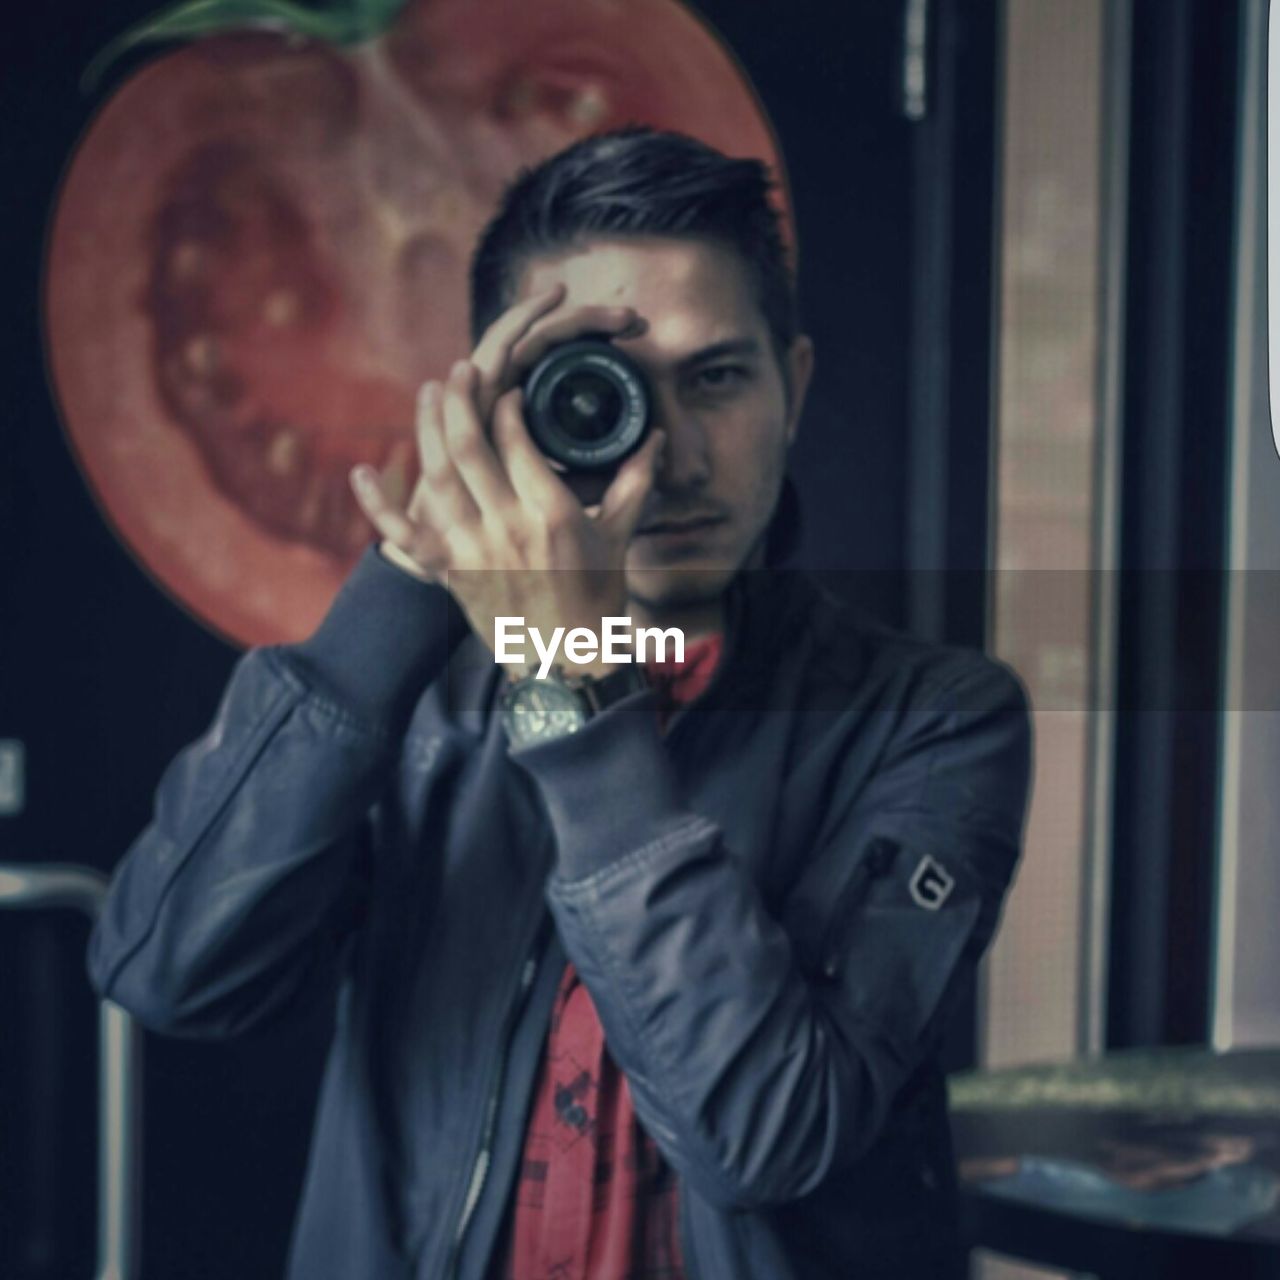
pixel 587 405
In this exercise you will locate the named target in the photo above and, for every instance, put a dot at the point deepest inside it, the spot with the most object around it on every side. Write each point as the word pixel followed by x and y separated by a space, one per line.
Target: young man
pixel 650 985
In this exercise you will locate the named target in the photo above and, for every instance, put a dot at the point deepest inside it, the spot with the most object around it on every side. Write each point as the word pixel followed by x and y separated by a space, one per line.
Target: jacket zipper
pixel 682 1230
pixel 728 655
pixel 878 858
pixel 480 1169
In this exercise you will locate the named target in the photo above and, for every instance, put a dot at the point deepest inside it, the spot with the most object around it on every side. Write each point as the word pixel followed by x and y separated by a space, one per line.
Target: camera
pixel 587 405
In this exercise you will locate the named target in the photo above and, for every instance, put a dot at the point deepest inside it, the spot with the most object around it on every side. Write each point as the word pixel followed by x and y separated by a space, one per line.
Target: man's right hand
pixel 397 557
pixel 510 347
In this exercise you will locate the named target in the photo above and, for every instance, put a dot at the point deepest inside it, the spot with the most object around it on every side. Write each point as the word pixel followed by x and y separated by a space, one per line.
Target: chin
pixel 664 588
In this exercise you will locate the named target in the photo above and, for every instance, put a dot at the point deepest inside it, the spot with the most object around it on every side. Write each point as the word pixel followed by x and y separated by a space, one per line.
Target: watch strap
pixel 599 692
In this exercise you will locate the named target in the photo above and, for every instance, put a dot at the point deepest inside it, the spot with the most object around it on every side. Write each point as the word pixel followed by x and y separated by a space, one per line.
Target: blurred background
pixel 1032 257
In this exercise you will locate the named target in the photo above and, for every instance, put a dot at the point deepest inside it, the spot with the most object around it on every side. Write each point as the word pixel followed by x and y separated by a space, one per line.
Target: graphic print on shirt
pixel 594 1199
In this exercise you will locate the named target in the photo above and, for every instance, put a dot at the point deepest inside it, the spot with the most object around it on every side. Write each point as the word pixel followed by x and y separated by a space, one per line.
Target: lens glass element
pixel 586 406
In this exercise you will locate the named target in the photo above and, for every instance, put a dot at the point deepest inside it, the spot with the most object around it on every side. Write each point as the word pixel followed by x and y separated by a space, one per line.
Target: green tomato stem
pixel 340 22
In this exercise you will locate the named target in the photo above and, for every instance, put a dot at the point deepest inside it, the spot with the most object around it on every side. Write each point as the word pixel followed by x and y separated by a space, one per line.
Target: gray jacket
pixel 772 905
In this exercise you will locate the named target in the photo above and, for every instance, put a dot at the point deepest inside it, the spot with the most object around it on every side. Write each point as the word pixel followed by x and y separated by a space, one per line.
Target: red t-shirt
pixel 595 1199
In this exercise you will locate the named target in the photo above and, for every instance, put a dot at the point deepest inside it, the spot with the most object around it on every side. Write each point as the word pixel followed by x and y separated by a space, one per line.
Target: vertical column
pixel 1060 252
pixel 1246 989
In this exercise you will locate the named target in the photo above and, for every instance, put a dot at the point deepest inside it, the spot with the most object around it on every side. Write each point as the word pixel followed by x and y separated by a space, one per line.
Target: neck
pixel 695 618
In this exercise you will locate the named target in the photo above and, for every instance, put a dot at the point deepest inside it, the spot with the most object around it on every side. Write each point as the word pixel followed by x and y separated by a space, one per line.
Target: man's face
pixel 719 396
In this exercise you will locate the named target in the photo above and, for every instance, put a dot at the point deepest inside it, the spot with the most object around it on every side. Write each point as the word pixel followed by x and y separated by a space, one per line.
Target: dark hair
pixel 637 181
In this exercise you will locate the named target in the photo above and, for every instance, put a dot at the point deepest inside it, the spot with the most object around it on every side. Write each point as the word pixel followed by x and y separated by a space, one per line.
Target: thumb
pixel 623 499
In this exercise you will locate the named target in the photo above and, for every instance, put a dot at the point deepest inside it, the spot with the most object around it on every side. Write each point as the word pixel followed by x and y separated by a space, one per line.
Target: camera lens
pixel 587 405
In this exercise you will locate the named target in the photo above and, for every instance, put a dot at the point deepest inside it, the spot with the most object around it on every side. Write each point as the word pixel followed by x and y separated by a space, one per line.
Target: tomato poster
pixel 259 250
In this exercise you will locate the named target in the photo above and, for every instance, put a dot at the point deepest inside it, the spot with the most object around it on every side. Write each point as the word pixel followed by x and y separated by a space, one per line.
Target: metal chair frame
pixel 54 885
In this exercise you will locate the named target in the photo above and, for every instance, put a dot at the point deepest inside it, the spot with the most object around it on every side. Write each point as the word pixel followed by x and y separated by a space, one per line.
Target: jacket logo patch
pixel 931 883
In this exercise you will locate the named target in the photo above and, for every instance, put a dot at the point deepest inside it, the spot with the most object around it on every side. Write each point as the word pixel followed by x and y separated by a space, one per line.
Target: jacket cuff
pixel 609 788
pixel 386 636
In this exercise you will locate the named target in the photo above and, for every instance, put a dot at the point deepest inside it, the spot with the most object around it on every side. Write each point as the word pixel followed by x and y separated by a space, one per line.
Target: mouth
pixel 678 528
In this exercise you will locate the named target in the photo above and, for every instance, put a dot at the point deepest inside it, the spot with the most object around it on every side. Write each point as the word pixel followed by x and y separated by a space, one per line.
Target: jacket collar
pixel 766 610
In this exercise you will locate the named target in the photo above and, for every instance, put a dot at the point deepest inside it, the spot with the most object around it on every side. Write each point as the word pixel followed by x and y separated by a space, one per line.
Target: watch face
pixel 539 710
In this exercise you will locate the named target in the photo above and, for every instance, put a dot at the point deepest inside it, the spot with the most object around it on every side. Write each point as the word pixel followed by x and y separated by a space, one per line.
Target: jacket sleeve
pixel 756 1069
pixel 233 901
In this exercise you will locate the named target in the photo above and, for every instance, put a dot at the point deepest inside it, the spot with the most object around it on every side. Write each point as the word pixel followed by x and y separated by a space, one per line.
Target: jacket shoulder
pixel 850 649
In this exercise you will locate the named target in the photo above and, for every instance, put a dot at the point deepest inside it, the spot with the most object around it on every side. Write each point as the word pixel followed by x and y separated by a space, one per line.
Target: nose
pixel 686 462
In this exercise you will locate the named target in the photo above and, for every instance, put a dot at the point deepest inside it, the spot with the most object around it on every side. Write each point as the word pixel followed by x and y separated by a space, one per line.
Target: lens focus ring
pixel 587 405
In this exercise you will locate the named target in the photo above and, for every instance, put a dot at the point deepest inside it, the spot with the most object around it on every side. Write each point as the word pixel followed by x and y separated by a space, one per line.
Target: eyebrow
pixel 718 351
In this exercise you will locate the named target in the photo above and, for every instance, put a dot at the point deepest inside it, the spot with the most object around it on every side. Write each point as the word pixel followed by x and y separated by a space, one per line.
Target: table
pixel 1159 1164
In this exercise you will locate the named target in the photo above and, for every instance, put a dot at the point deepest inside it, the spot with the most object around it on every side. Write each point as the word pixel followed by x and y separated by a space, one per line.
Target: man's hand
pixel 489 517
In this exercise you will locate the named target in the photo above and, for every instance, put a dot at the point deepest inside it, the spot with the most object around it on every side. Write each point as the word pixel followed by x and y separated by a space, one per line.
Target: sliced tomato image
pixel 259 251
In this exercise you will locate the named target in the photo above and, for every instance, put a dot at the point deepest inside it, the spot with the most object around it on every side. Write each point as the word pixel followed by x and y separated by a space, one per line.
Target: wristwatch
pixel 541 710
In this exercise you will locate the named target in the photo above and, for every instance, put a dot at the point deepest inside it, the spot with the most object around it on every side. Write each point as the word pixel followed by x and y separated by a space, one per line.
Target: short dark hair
pixel 642 182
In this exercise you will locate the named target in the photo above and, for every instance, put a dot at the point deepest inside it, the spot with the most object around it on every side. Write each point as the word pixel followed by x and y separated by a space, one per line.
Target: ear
pixel 799 371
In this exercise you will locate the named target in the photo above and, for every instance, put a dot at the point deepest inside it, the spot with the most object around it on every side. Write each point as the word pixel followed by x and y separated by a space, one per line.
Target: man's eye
pixel 719 377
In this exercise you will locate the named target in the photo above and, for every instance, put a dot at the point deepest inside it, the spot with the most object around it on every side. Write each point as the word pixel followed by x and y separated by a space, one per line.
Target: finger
pixel 536 486
pixel 564 326
pixel 471 453
pixel 396 472
pixel 623 500
pixel 492 351
pixel 385 517
pixel 588 487
pixel 441 495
